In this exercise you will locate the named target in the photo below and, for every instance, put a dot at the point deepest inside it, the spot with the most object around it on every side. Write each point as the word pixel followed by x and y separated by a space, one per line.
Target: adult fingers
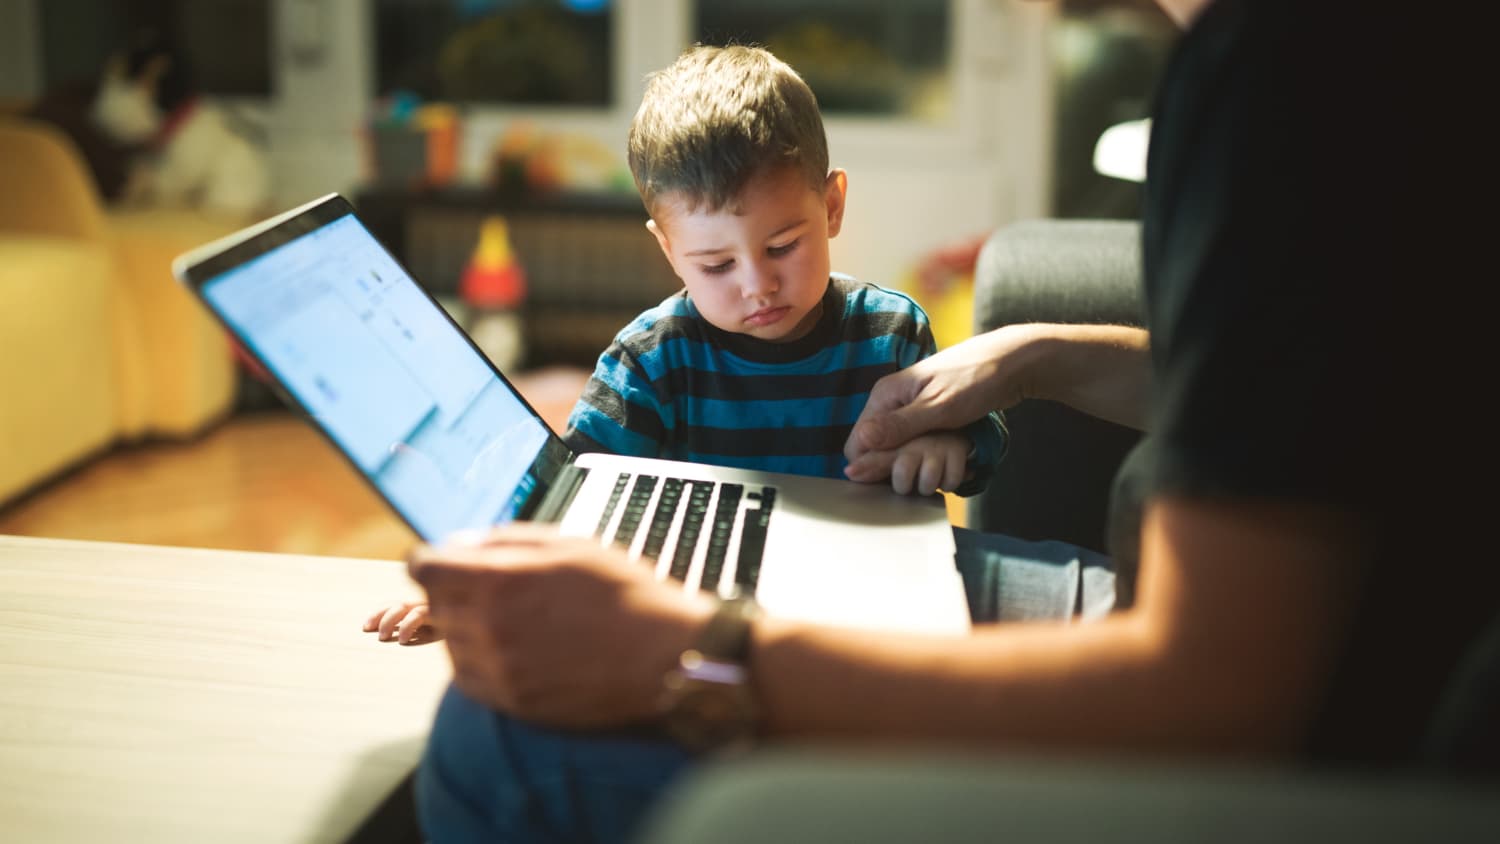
pixel 512 533
pixel 890 394
pixel 878 431
pixel 455 565
pixel 518 562
pixel 871 467
pixel 497 546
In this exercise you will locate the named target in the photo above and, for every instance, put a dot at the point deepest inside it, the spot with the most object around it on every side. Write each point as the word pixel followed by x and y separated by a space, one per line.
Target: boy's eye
pixel 717 269
pixel 784 249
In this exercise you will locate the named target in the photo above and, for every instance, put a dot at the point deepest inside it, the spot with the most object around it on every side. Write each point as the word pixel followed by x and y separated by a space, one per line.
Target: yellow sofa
pixel 98 343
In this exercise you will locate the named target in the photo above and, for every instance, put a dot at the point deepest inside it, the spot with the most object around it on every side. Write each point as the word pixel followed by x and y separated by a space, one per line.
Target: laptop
pixel 381 369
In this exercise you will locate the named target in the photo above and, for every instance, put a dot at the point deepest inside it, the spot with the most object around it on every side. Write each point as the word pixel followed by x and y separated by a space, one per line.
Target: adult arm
pixel 1102 370
pixel 1240 611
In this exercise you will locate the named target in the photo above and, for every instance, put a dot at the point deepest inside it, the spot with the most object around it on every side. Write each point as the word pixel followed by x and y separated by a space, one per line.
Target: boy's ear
pixel 835 191
pixel 661 240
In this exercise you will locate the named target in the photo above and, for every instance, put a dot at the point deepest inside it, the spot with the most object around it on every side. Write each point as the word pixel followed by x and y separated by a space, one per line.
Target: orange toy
pixel 493 280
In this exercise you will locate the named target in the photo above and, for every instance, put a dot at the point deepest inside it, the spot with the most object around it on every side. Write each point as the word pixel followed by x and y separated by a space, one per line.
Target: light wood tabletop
pixel 162 694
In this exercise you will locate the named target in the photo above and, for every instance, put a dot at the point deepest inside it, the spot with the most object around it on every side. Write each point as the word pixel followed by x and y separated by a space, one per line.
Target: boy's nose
pixel 759 281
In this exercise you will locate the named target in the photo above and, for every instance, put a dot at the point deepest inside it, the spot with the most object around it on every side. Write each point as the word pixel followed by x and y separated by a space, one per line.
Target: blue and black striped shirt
pixel 673 386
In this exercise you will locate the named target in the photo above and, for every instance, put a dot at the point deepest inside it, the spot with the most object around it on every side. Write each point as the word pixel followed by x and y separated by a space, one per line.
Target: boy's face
pixel 758 266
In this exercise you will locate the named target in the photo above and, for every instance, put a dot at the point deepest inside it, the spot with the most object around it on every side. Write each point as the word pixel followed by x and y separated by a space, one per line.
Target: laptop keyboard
pixel 692 520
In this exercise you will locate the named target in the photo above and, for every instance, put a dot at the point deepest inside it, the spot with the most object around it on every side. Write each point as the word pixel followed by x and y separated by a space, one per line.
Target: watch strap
pixel 726 638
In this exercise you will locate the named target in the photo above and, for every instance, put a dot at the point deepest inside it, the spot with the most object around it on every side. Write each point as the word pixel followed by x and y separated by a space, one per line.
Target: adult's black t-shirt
pixel 1290 289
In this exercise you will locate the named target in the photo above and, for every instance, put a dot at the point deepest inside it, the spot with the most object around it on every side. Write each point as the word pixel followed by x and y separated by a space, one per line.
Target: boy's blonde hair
pixel 718 117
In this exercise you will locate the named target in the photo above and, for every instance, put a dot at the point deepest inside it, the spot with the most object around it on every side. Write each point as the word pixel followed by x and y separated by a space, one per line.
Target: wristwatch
pixel 707 700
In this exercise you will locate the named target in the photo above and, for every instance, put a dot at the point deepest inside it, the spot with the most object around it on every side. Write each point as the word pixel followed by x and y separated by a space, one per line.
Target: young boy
pixel 766 358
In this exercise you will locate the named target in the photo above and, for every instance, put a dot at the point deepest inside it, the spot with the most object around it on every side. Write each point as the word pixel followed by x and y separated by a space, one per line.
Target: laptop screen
pixel 388 377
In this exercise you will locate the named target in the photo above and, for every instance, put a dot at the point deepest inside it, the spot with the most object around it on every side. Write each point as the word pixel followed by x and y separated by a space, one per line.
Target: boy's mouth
pixel 768 316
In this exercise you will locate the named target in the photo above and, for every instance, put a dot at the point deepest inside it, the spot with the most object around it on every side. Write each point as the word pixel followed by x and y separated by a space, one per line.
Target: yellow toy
pixel 493 286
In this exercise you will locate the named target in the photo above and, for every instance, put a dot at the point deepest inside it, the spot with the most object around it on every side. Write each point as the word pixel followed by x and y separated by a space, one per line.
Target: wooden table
pixel 170 694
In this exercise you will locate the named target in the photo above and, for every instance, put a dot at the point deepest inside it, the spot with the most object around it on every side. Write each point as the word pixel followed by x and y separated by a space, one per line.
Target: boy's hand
pixel 405 622
pixel 924 465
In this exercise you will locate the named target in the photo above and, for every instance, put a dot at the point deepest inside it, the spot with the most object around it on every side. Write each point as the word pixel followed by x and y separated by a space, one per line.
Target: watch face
pixel 708 700
pixel 708 715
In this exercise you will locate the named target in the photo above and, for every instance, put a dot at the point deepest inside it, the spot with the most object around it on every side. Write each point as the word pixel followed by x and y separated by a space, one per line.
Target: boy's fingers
pixel 413 624
pixel 903 473
pixel 931 476
pixel 956 464
pixel 389 623
pixel 378 617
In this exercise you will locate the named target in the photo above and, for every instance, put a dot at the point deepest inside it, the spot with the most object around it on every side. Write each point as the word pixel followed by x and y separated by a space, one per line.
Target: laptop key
pixel 661 519
pixel 718 539
pixel 614 501
pixel 692 529
pixel 753 541
pixel 635 509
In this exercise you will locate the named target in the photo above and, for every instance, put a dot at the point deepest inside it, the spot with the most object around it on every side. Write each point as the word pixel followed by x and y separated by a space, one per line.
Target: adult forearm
pixel 1053 686
pixel 1236 627
pixel 1101 370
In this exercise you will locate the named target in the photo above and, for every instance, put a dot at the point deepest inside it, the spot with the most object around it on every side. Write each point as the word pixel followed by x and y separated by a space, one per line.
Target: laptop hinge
pixel 557 499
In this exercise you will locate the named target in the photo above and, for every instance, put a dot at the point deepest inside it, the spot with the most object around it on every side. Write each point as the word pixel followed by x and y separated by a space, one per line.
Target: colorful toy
pixel 493 286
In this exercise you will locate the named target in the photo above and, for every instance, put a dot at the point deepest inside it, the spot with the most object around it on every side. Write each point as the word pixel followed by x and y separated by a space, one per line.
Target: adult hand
pixel 1101 370
pixel 944 392
pixel 556 630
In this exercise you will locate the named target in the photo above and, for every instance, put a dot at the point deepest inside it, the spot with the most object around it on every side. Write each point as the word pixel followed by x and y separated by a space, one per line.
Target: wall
pixel 912 188
pixel 20 66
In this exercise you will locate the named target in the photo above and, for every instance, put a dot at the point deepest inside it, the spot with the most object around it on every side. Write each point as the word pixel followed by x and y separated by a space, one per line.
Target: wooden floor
pixel 262 482
pixel 257 482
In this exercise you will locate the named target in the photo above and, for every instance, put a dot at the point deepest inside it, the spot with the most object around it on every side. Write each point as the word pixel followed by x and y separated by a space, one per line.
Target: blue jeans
pixel 1008 579
pixel 488 777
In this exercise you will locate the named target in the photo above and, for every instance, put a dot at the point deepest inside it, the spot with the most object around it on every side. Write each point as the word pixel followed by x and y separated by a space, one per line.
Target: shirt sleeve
pixel 619 411
pixel 990 439
pixel 1266 234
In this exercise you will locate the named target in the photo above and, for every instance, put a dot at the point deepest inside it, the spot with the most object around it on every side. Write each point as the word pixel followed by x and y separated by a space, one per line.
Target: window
pixel 861 57
pixel 1107 57
pixel 225 44
pixel 527 52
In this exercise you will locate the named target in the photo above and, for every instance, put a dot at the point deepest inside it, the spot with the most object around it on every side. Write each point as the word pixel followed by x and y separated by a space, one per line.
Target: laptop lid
pixel 399 389
pixel 380 368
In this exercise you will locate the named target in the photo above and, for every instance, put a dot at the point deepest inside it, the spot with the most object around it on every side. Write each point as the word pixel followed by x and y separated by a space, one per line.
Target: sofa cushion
pixel 57 355
pixel 188 376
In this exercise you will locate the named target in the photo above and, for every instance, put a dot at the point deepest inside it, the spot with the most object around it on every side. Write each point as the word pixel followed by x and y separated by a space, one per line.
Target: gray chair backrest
pixel 1055 482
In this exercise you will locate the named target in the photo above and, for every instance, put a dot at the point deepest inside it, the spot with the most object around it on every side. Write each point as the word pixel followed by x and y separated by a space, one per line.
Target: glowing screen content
pixel 385 374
